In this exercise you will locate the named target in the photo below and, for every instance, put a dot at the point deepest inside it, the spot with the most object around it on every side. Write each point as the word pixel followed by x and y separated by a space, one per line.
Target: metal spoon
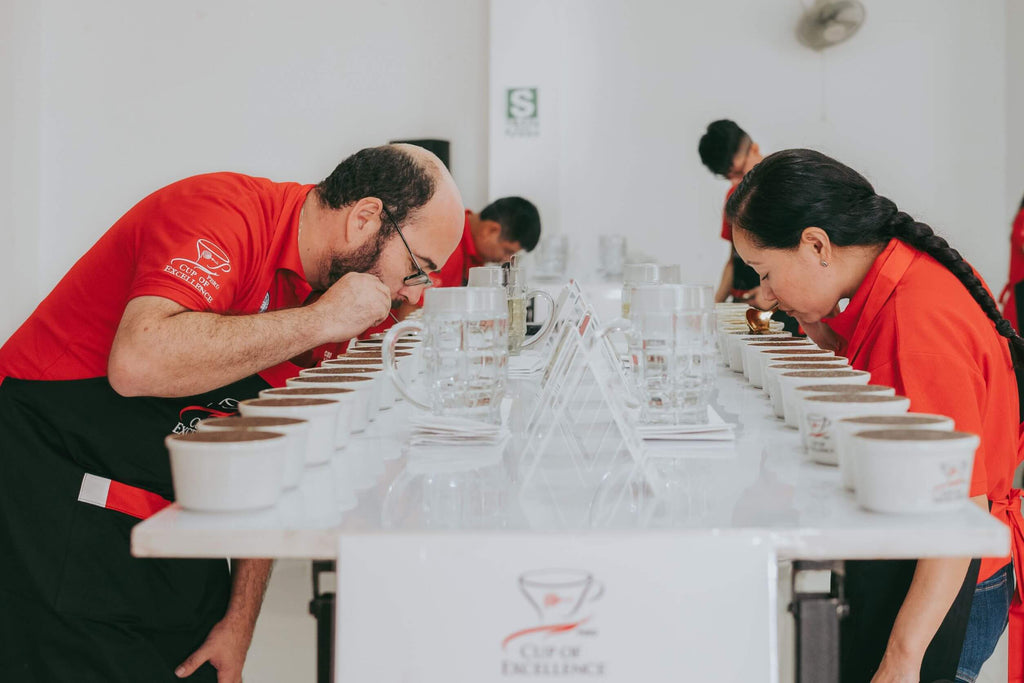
pixel 758 321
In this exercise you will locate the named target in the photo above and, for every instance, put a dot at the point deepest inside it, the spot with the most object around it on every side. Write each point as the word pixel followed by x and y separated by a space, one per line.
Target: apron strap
pixel 113 495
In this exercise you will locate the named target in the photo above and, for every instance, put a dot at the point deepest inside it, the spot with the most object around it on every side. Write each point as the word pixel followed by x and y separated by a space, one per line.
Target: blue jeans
pixel 989 614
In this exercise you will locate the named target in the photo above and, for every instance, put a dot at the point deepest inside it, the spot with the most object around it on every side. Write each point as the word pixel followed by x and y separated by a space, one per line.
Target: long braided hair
pixel 797 188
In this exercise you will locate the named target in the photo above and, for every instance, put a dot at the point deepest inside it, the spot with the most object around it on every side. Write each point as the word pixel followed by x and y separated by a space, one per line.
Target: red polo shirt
pixel 726 226
pixel 1008 299
pixel 223 242
pixel 915 327
pixel 455 271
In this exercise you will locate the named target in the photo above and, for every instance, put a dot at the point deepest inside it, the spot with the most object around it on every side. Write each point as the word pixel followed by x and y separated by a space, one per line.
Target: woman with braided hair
pixel 921 320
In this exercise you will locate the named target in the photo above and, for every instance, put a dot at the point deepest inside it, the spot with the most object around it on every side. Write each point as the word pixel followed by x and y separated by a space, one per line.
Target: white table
pixel 761 484
pixel 762 481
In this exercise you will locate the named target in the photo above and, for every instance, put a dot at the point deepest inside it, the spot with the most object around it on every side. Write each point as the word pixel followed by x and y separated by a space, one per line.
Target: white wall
pixel 1015 105
pixel 915 101
pixel 132 96
pixel 19 160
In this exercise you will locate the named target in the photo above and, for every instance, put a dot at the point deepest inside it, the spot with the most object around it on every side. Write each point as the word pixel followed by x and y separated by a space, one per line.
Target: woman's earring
pixel 824 264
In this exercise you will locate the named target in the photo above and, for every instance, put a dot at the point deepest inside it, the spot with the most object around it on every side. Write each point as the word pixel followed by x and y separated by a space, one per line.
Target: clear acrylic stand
pixel 581 428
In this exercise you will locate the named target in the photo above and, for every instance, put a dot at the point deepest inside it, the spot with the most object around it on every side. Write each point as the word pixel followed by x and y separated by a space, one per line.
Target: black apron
pixel 875 590
pixel 74 604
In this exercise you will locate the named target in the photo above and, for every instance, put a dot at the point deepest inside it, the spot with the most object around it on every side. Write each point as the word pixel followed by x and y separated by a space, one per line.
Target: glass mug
pixel 465 352
pixel 513 280
pixel 551 257
pixel 633 275
pixel 611 254
pixel 671 340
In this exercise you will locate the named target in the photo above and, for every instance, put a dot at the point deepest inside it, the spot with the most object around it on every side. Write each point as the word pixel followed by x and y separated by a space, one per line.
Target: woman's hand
pixel 823 335
pixel 897 669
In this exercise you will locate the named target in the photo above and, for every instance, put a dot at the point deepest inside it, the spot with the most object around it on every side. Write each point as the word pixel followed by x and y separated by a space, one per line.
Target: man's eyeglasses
pixel 420 278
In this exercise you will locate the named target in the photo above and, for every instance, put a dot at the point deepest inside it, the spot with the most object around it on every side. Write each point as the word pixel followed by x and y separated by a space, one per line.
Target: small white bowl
pixel 735 343
pixel 321 413
pixel 751 350
pixel 376 374
pixel 759 354
pixel 774 368
pixel 388 392
pixel 903 471
pixel 805 391
pixel 362 385
pixel 846 427
pixel 344 397
pixel 227 471
pixel 295 431
pixel 820 414
pixel 767 356
pixel 805 374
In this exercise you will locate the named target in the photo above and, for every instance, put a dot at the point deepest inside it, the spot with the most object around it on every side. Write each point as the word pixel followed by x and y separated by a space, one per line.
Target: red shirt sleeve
pixel 194 248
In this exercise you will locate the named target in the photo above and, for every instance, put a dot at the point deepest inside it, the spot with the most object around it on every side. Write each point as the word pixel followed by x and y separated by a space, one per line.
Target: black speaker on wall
pixel 442 148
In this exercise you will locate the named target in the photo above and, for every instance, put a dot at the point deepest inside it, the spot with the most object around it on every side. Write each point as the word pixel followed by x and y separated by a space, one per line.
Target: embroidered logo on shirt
pixel 210 261
pixel 266 303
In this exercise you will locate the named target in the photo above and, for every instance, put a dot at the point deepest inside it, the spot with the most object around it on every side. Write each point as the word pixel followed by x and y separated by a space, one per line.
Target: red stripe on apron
pixel 113 495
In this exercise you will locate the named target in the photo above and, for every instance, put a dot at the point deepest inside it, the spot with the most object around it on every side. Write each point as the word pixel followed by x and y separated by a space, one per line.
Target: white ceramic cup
pixel 848 426
pixel 321 413
pixel 775 371
pixel 774 368
pixel 388 393
pixel 817 430
pixel 803 392
pixel 376 376
pixel 227 471
pixel 789 380
pixel 750 349
pixel 913 470
pixel 362 385
pixel 776 355
pixel 344 397
pixel 734 346
pixel 295 431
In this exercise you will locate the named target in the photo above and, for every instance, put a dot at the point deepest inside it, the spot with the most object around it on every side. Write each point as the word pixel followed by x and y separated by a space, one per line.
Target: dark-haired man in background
pixel 729 152
pixel 192 301
pixel 505 227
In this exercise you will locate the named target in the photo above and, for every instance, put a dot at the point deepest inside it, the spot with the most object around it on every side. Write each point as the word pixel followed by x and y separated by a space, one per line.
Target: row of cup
pixel 895 461
pixel 248 462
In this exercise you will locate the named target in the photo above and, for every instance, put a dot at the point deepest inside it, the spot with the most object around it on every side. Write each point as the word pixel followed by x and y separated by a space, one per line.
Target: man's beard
pixel 364 260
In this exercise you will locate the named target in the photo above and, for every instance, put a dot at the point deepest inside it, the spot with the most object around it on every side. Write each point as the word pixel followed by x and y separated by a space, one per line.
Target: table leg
pixel 322 609
pixel 818 606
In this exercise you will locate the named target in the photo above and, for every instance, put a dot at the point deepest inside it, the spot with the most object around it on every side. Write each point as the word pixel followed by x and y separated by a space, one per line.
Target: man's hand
pixel 224 648
pixel 352 304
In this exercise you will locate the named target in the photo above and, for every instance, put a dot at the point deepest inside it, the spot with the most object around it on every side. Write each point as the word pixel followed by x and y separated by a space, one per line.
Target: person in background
pixel 194 300
pixel 921 320
pixel 505 227
pixel 1008 298
pixel 730 153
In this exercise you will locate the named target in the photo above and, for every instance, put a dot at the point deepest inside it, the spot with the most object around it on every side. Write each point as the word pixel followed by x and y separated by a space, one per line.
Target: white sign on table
pixel 474 608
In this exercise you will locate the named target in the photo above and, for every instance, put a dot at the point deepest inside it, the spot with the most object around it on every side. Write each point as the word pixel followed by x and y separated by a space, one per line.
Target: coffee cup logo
pixel 558 594
pixel 210 258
